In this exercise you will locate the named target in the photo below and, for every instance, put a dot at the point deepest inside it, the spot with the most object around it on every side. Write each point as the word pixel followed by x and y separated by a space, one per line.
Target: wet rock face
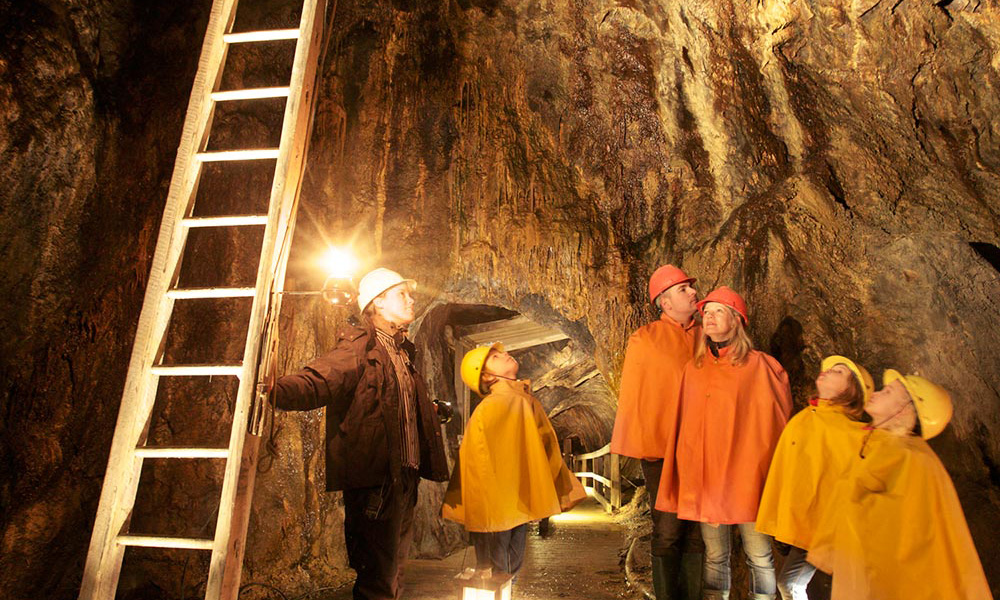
pixel 836 164
pixel 81 190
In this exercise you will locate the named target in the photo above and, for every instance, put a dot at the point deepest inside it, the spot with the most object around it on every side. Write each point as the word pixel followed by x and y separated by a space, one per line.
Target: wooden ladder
pixel 128 449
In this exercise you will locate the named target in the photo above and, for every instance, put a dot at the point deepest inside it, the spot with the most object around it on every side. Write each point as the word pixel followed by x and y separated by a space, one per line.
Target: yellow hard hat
pixel 864 377
pixel 473 363
pixel 932 402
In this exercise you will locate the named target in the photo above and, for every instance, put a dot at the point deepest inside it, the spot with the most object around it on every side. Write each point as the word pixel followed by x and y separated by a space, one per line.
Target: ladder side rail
pixel 230 534
pixel 104 556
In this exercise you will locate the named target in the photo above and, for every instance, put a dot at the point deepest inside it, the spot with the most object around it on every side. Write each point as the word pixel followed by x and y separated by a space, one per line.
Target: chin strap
pixel 500 376
pixel 875 426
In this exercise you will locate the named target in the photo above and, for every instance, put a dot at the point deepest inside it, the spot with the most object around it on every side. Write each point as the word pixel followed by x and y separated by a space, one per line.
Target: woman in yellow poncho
pixel 813 453
pixel 509 470
pixel 895 528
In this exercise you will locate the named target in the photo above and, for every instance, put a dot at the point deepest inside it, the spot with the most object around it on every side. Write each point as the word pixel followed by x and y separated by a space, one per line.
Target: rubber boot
pixel 765 597
pixel 664 577
pixel 691 573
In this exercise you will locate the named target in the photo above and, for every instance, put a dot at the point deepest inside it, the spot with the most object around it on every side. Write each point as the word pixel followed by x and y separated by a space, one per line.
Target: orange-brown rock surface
pixel 837 163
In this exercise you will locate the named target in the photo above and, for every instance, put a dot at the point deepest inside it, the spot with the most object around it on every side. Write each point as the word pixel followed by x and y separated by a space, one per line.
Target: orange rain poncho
pixel 731 417
pixel 813 454
pixel 509 469
pixel 895 529
pixel 651 378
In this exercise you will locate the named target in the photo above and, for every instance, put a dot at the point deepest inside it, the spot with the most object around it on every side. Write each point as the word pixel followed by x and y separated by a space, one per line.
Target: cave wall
pixel 88 138
pixel 836 163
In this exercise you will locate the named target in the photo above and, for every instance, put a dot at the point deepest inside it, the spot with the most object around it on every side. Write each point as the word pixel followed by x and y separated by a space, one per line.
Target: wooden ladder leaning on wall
pixel 128 450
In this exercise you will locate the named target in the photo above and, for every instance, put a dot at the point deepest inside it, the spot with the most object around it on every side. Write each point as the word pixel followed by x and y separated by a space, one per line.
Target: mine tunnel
pixel 530 165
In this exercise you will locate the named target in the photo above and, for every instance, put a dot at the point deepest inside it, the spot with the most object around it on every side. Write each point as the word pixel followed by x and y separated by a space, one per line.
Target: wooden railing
pixel 600 473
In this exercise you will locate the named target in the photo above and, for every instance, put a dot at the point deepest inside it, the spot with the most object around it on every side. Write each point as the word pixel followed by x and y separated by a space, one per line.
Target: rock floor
pixel 579 558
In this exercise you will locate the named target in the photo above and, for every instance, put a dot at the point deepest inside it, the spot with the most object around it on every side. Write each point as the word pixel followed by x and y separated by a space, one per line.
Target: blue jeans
pixel 795 575
pixel 502 550
pixel 756 546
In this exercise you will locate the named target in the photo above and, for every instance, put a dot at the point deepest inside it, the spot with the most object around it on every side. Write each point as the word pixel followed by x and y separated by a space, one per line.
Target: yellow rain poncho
pixel 509 469
pixel 895 529
pixel 813 453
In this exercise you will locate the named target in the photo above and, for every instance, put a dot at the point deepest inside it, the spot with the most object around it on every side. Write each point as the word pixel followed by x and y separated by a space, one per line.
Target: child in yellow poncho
pixel 509 470
pixel 813 453
pixel 895 528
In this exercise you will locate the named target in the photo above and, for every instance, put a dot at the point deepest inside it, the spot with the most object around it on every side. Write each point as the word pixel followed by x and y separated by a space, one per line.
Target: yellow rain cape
pixel 895 529
pixel 509 469
pixel 813 453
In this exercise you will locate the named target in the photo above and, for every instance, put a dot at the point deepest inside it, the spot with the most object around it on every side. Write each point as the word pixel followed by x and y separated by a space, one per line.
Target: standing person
pixel 648 410
pixel 895 528
pixel 382 434
pixel 509 470
pixel 814 452
pixel 734 403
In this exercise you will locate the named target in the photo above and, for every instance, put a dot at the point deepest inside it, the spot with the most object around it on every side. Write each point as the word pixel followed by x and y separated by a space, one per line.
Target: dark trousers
pixel 378 528
pixel 501 550
pixel 668 530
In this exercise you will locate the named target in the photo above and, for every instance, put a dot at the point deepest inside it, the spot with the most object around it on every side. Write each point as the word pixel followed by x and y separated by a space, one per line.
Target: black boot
pixel 667 576
pixel 691 572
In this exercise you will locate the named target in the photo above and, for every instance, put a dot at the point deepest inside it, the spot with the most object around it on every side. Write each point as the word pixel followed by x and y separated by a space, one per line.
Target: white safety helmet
pixel 377 281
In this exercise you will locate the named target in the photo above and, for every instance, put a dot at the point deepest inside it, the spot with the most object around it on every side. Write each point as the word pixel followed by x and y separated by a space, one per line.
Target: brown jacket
pixel 356 383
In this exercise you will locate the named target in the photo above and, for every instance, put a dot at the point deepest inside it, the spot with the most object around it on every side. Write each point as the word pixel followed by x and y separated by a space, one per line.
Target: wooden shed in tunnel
pixel 521 160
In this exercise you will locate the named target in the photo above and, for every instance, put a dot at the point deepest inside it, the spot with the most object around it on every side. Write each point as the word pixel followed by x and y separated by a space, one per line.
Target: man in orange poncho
pixel 895 528
pixel 648 410
pixel 509 470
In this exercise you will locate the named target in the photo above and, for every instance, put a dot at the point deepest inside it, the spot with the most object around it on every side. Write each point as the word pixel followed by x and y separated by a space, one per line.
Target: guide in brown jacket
pixel 382 432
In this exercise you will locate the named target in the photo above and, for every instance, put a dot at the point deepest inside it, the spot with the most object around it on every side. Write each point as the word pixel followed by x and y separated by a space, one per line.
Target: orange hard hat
pixel 726 295
pixel 665 278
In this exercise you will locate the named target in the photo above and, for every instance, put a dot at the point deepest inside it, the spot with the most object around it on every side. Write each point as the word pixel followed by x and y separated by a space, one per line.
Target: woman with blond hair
pixel 813 453
pixel 734 403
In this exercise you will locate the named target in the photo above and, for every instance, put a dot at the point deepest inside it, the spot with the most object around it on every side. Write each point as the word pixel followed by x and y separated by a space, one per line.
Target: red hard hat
pixel 665 278
pixel 726 295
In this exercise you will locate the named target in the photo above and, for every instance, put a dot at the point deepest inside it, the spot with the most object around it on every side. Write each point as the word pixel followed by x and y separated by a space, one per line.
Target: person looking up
pixel 509 470
pixel 648 412
pixel 734 403
pixel 382 432
pixel 895 527
pixel 813 454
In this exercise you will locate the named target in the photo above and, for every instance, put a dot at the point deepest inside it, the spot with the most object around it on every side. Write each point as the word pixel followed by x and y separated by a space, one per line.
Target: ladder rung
pixel 230 221
pixel 261 36
pixel 233 155
pixel 164 541
pixel 197 370
pixel 181 452
pixel 251 94
pixel 195 293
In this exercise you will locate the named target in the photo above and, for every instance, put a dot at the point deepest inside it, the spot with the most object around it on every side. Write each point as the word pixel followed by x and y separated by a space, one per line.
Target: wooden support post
pixel 616 482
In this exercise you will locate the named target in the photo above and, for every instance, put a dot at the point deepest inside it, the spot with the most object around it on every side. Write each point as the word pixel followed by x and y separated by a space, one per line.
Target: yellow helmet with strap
pixel 932 402
pixel 864 377
pixel 473 363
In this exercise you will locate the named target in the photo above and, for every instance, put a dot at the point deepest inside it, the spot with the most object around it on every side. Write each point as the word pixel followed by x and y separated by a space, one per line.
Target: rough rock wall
pixel 89 123
pixel 838 164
